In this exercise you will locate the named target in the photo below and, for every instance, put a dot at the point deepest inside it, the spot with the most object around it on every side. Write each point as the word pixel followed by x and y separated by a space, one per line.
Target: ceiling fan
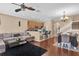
pixel 23 7
pixel 64 18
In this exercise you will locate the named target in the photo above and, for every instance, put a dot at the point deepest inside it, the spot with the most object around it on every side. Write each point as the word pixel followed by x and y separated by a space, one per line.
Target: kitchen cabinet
pixel 34 24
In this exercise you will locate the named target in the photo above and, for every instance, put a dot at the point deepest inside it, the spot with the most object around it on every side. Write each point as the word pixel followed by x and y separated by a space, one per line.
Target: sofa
pixel 14 39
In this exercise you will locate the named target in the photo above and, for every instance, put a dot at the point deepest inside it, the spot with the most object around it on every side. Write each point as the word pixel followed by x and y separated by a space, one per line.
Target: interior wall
pixel 10 24
pixel 66 27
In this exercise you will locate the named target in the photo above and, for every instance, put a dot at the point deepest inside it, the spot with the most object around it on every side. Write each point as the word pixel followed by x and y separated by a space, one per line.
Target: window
pixel 75 25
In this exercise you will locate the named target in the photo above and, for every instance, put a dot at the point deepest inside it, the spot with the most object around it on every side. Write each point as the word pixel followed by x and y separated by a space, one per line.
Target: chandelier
pixel 64 17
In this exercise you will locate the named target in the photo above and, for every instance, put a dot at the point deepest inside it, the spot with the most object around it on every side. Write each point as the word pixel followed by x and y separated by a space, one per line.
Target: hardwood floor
pixel 53 50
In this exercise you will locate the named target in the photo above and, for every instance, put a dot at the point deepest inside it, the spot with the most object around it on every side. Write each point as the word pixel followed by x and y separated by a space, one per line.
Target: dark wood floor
pixel 53 50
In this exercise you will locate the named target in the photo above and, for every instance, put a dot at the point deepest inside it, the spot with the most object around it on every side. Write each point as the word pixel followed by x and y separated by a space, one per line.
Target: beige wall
pixel 9 24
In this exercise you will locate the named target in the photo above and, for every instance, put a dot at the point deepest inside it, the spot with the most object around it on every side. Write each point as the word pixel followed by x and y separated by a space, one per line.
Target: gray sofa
pixel 14 39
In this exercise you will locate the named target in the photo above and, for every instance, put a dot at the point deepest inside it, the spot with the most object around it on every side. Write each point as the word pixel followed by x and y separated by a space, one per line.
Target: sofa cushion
pixel 1 36
pixel 16 35
pixel 7 35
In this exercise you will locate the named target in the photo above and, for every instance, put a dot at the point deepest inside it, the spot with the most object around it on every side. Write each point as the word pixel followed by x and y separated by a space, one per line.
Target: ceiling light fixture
pixel 64 17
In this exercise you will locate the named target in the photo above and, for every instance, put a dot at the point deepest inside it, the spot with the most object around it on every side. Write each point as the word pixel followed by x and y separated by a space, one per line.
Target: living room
pixel 27 27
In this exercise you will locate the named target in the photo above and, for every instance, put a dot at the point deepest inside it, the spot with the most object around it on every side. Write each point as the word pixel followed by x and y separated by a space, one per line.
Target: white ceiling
pixel 48 11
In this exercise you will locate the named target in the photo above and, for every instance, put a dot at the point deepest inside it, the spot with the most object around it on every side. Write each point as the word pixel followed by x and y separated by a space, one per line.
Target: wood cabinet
pixel 34 24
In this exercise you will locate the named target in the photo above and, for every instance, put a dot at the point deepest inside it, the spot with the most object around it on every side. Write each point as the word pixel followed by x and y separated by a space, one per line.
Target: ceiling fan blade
pixel 16 4
pixel 30 8
pixel 17 10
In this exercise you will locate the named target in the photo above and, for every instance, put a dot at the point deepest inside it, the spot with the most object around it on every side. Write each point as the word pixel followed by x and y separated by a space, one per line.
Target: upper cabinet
pixel 34 24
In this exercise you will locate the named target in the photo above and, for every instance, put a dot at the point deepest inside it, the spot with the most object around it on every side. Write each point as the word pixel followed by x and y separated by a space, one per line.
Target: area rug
pixel 71 49
pixel 27 49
